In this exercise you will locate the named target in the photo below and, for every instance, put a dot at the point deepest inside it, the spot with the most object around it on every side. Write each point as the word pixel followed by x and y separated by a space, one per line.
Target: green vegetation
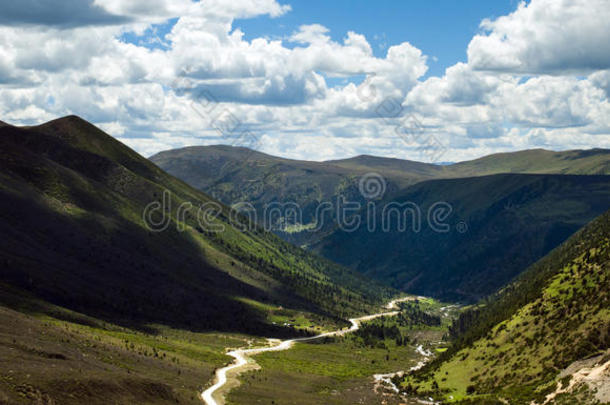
pixel 509 221
pixel 96 307
pixel 594 161
pixel 52 355
pixel 77 196
pixel 514 345
pixel 339 370
pixel 235 174
pixel 115 311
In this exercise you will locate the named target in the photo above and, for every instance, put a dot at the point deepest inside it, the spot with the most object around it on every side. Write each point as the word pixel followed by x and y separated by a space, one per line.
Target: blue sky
pixel 442 29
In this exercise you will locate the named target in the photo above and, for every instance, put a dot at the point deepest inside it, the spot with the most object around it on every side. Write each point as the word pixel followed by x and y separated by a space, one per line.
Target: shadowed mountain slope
pixel 497 226
pixel 71 219
pixel 237 175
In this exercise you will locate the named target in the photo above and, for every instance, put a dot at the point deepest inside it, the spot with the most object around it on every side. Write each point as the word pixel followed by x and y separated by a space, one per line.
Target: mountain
pixel 390 166
pixel 240 175
pixel 273 185
pixel 73 205
pixel 593 161
pixel 543 337
pixel 492 228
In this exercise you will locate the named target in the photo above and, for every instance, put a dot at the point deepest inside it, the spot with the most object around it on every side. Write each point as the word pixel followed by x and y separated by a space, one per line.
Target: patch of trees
pixel 374 334
pixel 412 315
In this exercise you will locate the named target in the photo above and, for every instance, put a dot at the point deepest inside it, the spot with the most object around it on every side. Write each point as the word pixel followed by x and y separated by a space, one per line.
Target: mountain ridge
pixel 369 157
pixel 85 193
pixel 240 175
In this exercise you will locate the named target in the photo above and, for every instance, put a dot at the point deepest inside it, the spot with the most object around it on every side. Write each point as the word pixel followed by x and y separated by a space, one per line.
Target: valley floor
pixel 227 377
pixel 335 372
pixel 337 369
pixel 50 355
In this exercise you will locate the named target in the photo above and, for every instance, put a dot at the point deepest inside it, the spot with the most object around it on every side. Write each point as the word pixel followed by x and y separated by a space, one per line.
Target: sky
pixel 434 81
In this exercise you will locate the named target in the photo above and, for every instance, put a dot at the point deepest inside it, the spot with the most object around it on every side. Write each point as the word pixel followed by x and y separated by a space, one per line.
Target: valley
pixel 342 367
pixel 289 202
pixel 133 296
pixel 505 211
pixel 243 357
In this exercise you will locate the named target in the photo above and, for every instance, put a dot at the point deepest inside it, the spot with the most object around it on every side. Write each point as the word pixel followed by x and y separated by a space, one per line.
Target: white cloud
pixel 278 88
pixel 545 36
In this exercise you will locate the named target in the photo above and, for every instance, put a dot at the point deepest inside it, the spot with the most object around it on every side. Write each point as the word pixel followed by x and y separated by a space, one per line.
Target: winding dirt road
pixel 213 396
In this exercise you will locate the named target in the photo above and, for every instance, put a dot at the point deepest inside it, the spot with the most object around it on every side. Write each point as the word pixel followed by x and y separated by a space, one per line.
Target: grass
pixel 556 314
pixel 52 359
pixel 339 370
pixel 301 321
pixel 324 373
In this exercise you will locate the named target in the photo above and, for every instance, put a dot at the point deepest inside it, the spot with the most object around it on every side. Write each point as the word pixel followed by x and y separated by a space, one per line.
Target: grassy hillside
pixel 72 200
pixel 594 161
pixel 498 226
pixel 514 346
pixel 390 166
pixel 50 355
pixel 235 174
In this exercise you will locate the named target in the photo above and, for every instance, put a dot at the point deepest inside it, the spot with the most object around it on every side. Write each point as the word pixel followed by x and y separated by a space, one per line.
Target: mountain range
pixel 237 175
pixel 507 210
pixel 121 283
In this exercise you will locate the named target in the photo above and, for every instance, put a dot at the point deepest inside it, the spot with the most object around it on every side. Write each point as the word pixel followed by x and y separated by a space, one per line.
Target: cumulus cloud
pixel 602 81
pixel 155 98
pixel 545 36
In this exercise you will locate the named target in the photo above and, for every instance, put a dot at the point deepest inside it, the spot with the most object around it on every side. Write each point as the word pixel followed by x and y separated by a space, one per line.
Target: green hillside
pixel 533 337
pixel 498 226
pixel 272 184
pixel 235 174
pixel 96 307
pixel 75 197
pixel 594 161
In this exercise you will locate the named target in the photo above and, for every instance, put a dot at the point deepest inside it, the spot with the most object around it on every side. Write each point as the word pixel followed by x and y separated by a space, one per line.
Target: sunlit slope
pixel 515 345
